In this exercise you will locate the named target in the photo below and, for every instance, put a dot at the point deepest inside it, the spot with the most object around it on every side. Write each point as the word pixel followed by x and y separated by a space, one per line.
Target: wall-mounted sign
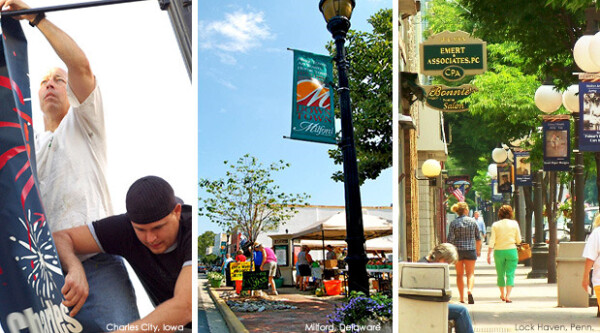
pixel 448 99
pixel 589 121
pixel 458 186
pixel 453 55
pixel 557 139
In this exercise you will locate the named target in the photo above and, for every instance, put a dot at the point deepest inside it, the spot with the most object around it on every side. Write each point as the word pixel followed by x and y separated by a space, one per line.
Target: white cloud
pixel 237 32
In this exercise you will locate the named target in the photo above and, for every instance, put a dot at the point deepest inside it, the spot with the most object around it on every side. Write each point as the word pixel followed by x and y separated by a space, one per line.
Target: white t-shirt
pixel 71 166
pixel 592 251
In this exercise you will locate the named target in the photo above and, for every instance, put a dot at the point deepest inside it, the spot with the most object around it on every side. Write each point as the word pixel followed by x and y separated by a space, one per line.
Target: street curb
pixel 232 321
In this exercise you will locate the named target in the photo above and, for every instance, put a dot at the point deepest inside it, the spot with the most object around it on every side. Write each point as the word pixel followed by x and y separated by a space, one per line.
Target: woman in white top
pixel 591 253
pixel 505 236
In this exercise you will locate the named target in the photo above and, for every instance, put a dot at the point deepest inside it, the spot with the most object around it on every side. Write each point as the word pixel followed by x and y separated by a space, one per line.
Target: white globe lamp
pixel 570 98
pixel 547 99
pixel 581 53
pixel 499 155
pixel 431 168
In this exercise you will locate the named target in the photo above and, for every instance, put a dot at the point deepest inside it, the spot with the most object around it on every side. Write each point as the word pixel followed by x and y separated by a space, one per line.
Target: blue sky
pixel 245 94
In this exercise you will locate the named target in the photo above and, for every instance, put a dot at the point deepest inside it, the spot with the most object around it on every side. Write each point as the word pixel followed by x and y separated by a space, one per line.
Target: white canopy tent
pixel 334 228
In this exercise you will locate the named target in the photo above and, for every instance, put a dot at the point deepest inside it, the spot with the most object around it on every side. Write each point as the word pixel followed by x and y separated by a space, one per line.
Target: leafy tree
pixel 247 198
pixel 211 259
pixel 370 82
pixel 205 240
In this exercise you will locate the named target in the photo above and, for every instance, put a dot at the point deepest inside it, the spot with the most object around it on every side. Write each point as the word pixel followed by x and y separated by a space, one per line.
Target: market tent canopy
pixel 334 228
pixel 376 244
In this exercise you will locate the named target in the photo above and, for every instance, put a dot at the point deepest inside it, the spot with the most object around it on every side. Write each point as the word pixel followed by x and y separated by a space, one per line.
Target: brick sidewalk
pixel 311 309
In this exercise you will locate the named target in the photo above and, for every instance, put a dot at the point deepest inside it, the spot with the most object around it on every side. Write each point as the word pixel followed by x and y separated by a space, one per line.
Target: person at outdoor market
pixel 226 270
pixel 591 253
pixel 304 262
pixel 503 239
pixel 257 257
pixel 269 264
pixel 71 168
pixel 155 238
pixel 240 257
pixel 464 234
pixel 446 253
pixel 329 273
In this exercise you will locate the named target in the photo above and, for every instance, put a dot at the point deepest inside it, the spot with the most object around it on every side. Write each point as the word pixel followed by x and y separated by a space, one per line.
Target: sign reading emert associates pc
pixel 453 55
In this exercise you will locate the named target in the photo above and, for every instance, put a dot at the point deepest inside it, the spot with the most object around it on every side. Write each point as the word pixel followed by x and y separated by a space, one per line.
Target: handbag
pixel 524 250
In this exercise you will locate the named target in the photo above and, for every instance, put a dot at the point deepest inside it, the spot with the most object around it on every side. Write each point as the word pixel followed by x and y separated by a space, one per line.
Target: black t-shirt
pixel 157 272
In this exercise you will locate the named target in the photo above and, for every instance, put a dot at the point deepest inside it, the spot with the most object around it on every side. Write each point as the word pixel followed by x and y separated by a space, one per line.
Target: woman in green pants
pixel 505 236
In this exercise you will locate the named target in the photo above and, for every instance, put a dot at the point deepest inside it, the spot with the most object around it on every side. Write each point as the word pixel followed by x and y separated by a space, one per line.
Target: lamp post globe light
pixel 493 171
pixel 431 168
pixel 547 98
pixel 337 14
pixel 583 55
pixel 499 155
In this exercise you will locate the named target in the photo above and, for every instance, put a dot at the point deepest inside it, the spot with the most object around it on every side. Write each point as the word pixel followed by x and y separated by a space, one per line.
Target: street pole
pixel 539 252
pixel 579 198
pixel 358 279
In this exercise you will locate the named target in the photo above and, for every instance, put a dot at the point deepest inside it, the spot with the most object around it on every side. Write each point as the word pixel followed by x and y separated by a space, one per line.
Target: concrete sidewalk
pixel 534 307
pixel 209 318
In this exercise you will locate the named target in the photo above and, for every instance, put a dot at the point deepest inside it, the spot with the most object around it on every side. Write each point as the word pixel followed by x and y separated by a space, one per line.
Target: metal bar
pixel 64 7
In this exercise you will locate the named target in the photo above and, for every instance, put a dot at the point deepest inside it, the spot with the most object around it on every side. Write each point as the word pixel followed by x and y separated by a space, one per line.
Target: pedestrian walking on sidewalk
pixel 503 241
pixel 591 253
pixel 464 234
pixel 446 253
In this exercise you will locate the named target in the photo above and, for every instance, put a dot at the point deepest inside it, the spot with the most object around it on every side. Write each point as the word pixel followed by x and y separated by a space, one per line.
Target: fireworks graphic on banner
pixel 37 257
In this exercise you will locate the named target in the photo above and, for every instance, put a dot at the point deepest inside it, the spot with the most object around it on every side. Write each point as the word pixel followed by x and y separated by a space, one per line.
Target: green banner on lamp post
pixel 313 117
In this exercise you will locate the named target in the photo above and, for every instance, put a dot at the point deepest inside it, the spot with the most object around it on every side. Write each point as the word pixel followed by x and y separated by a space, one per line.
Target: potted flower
pixel 566 208
pixel 374 311
pixel 215 279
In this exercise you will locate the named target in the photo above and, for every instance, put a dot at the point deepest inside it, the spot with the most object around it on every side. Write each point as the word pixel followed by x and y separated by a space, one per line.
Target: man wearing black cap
pixel 155 238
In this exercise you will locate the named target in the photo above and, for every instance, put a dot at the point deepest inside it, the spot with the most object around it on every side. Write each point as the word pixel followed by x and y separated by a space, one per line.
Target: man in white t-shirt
pixel 591 253
pixel 71 163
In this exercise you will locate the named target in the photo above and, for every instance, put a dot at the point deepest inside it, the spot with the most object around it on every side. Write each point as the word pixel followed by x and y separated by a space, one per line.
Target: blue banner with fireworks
pixel 557 140
pixel 589 120
pixel 522 167
pixel 30 272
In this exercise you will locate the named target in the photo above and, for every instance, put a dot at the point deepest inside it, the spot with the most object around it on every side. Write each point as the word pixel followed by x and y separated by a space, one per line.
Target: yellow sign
pixel 238 268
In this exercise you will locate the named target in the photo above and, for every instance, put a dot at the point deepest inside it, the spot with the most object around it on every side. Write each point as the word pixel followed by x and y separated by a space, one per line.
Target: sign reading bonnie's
pixel 556 142
pixel 453 55
pixel 313 118
pixel 449 99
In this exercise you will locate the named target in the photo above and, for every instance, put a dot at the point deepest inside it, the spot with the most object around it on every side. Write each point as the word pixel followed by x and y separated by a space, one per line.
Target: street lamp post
pixel 337 14
pixel 539 252
pixel 501 155
pixel 570 101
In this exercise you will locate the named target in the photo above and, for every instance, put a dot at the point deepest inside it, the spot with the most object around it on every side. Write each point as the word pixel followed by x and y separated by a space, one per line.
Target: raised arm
pixel 172 313
pixel 81 78
pixel 68 243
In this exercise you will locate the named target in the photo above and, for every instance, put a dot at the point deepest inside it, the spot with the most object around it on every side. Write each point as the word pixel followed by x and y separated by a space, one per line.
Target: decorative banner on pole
pixel 313 117
pixel 30 272
pixel 589 120
pixel 557 139
pixel 453 55
pixel 504 178
pixel 496 196
pixel 458 186
pixel 448 99
pixel 523 175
